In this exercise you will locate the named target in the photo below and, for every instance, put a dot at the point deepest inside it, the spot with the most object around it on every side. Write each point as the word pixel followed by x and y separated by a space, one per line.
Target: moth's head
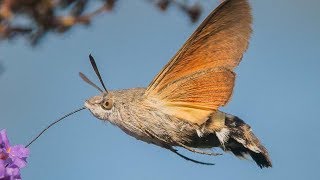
pixel 101 106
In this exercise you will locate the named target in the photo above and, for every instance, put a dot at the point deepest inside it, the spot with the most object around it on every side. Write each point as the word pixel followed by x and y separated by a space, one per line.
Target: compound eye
pixel 107 105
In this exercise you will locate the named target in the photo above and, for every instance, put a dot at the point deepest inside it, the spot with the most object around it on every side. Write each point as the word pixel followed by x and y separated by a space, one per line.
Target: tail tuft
pixel 243 142
pixel 234 135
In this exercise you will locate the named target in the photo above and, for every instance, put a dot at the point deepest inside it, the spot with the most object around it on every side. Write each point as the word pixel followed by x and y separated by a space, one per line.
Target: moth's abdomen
pixel 232 134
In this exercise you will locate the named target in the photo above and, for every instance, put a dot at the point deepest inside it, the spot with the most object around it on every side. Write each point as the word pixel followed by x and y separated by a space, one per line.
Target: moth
pixel 180 107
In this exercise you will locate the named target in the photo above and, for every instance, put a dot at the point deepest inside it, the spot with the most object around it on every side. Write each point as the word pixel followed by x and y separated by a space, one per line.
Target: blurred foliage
pixel 35 18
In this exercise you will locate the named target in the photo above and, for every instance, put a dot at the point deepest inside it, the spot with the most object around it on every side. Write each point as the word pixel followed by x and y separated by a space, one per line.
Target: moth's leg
pixel 166 146
pixel 188 159
pixel 198 151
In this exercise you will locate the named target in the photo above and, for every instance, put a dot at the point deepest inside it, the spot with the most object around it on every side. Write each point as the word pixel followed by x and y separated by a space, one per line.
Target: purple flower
pixel 12 158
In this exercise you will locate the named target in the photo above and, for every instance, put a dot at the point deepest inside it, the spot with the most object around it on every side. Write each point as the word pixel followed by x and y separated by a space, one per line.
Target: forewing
pixel 194 79
pixel 196 96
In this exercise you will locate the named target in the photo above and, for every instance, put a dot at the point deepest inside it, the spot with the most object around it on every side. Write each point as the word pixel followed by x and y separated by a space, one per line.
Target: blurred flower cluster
pixel 12 158
pixel 35 18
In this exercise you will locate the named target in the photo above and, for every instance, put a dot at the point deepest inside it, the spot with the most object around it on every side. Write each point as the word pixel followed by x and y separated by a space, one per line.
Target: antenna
pixel 87 80
pixel 96 70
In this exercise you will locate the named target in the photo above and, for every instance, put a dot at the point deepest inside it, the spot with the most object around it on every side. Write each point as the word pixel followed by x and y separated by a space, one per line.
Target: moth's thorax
pixel 131 113
pixel 120 99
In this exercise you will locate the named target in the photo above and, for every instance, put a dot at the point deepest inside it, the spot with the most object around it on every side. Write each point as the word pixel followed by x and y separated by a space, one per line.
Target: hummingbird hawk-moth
pixel 180 107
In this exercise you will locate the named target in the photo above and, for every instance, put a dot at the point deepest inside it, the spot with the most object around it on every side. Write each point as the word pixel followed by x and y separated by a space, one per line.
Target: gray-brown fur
pixel 131 115
pixel 134 117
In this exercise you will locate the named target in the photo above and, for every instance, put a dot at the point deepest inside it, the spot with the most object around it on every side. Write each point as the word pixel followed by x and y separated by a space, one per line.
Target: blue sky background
pixel 277 93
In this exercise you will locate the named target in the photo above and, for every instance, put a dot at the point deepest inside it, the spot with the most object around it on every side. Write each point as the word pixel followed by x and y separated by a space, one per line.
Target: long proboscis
pixel 53 123
pixel 96 70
